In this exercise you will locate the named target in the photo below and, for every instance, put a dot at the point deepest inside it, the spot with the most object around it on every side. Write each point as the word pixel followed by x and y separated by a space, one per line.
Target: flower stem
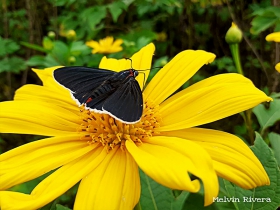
pixel 234 48
pixel 249 125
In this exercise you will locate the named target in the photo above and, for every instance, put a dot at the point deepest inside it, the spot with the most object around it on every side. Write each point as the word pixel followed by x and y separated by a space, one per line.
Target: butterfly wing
pixel 126 104
pixel 96 98
pixel 104 91
pixel 82 82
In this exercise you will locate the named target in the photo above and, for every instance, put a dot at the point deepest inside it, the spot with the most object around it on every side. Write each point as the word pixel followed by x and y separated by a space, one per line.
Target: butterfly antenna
pixel 130 62
pixel 142 69
pixel 150 69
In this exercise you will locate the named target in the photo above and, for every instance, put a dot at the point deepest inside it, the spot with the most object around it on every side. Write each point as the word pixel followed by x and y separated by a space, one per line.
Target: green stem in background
pixel 234 48
pixel 247 117
pixel 233 38
pixel 250 130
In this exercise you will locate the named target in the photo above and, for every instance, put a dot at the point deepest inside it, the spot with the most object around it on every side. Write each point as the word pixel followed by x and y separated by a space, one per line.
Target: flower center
pixel 104 129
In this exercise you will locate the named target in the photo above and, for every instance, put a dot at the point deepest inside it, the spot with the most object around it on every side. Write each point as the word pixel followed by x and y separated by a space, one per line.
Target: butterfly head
pixel 134 72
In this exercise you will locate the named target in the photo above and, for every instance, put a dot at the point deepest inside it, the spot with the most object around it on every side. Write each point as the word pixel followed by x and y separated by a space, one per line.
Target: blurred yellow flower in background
pixel 273 37
pixel 277 67
pixel 106 45
pixel 161 37
pixel 71 35
pixel 276 38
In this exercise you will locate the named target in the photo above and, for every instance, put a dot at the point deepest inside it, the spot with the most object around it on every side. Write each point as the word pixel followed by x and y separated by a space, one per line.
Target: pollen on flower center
pixel 104 129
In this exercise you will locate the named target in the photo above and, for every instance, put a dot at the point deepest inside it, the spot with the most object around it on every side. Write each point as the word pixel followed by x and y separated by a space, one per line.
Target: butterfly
pixel 104 91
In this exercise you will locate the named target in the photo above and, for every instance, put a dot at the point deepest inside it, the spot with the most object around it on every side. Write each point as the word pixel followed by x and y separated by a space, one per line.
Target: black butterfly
pixel 103 91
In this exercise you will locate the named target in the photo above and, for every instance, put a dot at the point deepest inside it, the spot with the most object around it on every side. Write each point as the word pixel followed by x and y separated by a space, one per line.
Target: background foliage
pixel 47 33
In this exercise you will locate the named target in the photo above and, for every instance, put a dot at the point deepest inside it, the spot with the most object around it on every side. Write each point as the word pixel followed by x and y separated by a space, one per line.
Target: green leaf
pixel 196 202
pixel 274 140
pixel 94 15
pixel 264 21
pixel 277 26
pixel 267 117
pixel 7 46
pixel 276 11
pixel 178 202
pixel 116 9
pixel 50 61
pixel 142 41
pixel 12 64
pixel 60 52
pixel 153 195
pixel 47 43
pixel 265 197
pixel 60 207
pixel 133 36
pixel 275 95
pixel 36 60
pixel 78 48
pixel 34 47
pixel 62 2
pixel 128 2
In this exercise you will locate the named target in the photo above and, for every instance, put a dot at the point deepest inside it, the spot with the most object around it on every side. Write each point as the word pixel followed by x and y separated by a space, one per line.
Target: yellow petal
pixel 106 42
pixel 55 184
pixel 46 94
pixel 273 37
pixel 46 76
pixel 116 178
pixel 169 159
pixel 27 117
pixel 106 45
pixel 216 80
pixel 277 67
pixel 117 43
pixel 233 159
pixel 114 64
pixel 7 198
pixel 116 49
pixel 95 50
pixel 37 158
pixel 209 103
pixel 140 61
pixel 115 46
pixel 173 75
pixel 92 44
pixel 51 88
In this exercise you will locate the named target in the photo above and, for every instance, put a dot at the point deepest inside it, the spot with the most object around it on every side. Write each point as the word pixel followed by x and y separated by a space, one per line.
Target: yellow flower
pixel 273 37
pixel 62 30
pixel 104 154
pixel 106 45
pixel 276 38
pixel 277 67
pixel 161 37
pixel 71 35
